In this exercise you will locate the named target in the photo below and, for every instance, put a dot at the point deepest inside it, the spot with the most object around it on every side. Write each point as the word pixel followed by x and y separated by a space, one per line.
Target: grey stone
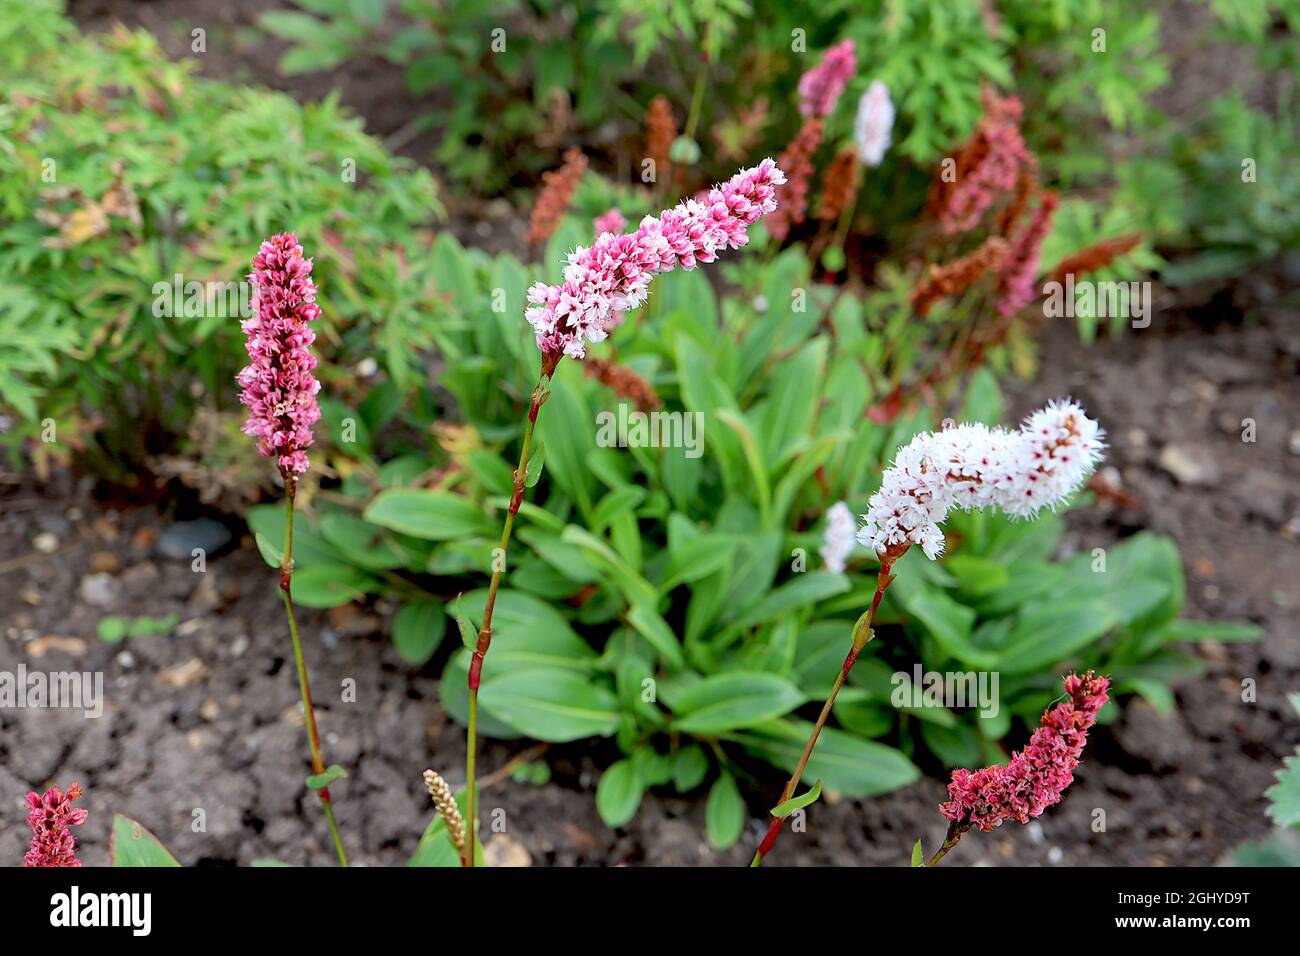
pixel 178 540
pixel 1189 464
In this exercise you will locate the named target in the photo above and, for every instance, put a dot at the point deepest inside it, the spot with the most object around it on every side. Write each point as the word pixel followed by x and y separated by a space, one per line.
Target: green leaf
pixel 1222 631
pixel 655 630
pixel 1046 634
pixel 948 622
pixel 724 812
pixel 468 636
pixel 323 779
pixel 418 629
pixel 272 555
pixel 113 629
pixel 552 704
pixel 791 407
pixel 618 795
pixel 436 848
pixel 330 585
pixel 690 764
pixel 983 398
pixel 634 588
pixel 566 428
pixel 536 459
pixel 977 576
pixel 783 810
pixel 1284 796
pixel 431 515
pixel 805 589
pixel 733 700
pixel 698 558
pixel 843 762
pixel 130 844
pixel 918 856
pixel 526 633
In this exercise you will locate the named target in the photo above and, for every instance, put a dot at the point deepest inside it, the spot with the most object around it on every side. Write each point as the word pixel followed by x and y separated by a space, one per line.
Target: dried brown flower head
pixel 1094 257
pixel 660 132
pixel 623 382
pixel 954 278
pixel 839 185
pixel 557 189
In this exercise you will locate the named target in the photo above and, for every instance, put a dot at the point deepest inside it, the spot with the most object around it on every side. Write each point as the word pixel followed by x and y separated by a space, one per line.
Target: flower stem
pixel 697 95
pixel 309 712
pixel 540 393
pixel 861 635
pixel 949 841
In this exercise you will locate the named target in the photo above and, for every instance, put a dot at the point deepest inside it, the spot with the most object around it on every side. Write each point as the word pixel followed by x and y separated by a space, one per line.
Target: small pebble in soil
pixel 1294 444
pixel 502 850
pixel 45 543
pixel 1055 855
pixel 99 590
pixel 104 562
pixel 189 627
pixel 1191 465
pixel 179 540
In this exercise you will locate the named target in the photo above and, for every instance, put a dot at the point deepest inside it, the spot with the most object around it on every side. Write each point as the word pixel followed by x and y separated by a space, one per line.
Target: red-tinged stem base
pixel 862 633
pixel 549 361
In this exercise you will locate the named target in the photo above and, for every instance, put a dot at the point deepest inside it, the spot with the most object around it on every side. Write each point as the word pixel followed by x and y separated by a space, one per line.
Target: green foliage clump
pixel 119 172
pixel 674 602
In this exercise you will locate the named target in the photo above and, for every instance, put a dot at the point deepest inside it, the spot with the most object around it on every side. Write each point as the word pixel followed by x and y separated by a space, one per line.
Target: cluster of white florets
pixel 837 540
pixel 974 466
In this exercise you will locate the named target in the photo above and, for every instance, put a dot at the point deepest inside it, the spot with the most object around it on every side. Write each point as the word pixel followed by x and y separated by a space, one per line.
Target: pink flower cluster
pixel 1037 776
pixel 1017 281
pixel 614 273
pixel 611 221
pixel 50 817
pixel 987 166
pixel 820 87
pixel 278 386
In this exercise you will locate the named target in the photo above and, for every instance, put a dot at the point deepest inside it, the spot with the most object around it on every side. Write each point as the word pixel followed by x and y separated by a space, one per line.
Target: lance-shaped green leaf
pixel 320 781
pixel 132 845
pixel 783 810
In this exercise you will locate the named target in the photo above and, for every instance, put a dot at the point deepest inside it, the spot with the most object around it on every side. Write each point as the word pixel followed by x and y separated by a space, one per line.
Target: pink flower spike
pixel 1037 776
pixel 613 274
pixel 987 166
pixel 611 221
pixel 277 385
pixel 50 817
pixel 820 87
pixel 1016 283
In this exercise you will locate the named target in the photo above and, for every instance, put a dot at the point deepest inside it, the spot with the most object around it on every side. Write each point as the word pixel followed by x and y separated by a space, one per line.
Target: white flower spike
pixel 837 542
pixel 973 466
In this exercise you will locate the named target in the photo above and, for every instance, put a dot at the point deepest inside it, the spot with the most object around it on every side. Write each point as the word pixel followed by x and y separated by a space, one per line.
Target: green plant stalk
pixel 309 712
pixel 697 100
pixel 862 634
pixel 485 630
